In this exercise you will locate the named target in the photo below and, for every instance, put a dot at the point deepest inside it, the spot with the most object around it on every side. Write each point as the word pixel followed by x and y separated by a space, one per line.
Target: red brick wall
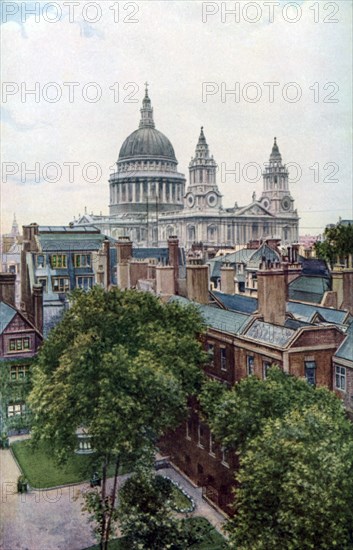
pixel 192 455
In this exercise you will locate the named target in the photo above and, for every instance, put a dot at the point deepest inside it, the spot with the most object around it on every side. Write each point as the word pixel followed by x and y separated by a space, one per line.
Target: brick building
pixel 248 342
pixel 19 343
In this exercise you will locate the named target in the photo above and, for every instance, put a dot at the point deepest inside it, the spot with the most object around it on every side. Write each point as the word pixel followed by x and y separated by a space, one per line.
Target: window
pixel 18 372
pixel 58 261
pixel 82 260
pixel 40 260
pixel 225 460
pixel 223 358
pixel 249 365
pixel 340 375
pixel 201 435
pixel 44 282
pixel 16 409
pixel 18 344
pixel 188 428
pixel 310 375
pixel 210 351
pixel 265 366
pixel 60 284
pixel 212 446
pixel 84 282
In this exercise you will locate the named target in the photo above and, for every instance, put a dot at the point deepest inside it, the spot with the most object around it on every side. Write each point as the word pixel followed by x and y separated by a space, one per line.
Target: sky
pixel 268 69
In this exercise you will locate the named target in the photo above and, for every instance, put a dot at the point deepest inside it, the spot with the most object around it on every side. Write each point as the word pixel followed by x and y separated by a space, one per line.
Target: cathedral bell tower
pixel 275 195
pixel 202 192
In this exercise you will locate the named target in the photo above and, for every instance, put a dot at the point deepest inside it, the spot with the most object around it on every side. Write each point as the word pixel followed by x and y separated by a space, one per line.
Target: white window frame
pixel 250 368
pixel 265 366
pixel 88 277
pixel 342 377
pixel 211 353
pixel 199 436
pixel 223 358
pixel 212 443
pixel 224 458
pixel 65 288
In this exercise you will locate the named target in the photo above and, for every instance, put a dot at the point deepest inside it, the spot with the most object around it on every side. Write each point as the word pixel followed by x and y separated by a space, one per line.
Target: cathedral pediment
pixel 254 209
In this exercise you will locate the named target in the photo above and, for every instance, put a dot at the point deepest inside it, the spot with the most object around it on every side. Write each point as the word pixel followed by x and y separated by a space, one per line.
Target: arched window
pixel 191 233
pixel 212 231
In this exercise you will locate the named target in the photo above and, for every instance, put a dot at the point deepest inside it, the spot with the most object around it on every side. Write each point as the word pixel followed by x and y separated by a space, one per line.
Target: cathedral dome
pixel 147 142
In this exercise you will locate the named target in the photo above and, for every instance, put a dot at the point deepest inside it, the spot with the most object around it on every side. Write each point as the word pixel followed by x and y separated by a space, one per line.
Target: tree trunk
pixel 112 503
pixel 103 522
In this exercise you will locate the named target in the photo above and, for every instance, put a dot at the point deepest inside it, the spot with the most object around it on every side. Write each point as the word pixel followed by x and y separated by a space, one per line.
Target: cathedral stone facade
pixel 149 200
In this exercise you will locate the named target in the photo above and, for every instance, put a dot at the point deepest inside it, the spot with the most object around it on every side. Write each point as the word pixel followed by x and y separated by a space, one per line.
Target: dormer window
pixel 40 260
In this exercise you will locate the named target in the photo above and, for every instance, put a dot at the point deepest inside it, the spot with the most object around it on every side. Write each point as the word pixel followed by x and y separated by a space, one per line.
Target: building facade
pixel 19 343
pixel 149 199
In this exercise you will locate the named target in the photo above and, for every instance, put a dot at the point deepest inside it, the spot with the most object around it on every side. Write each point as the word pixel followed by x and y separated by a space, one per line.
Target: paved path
pixel 53 520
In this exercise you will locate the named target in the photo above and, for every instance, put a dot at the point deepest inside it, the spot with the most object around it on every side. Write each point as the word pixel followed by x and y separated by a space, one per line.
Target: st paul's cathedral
pixel 150 199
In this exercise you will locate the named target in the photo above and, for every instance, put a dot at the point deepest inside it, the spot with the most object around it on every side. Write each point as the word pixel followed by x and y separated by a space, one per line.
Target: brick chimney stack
pixel 348 289
pixel 173 252
pixel 197 282
pixel 38 307
pixel 272 293
pixel 227 279
pixel 7 288
pixel 124 249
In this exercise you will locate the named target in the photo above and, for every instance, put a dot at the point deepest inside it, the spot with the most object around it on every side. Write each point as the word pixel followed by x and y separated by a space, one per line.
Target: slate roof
pixel 237 302
pixel 314 266
pixel 57 229
pixel 307 312
pixel 160 254
pixel 219 319
pixel 308 289
pixel 7 313
pixel 250 257
pixel 269 333
pixel 57 242
pixel 345 351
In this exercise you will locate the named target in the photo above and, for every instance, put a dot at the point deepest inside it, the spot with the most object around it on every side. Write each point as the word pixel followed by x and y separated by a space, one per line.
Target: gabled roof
pixel 254 209
pixel 345 350
pixel 219 319
pixel 269 333
pixel 308 312
pixel 308 289
pixel 237 302
pixel 7 313
pixel 248 256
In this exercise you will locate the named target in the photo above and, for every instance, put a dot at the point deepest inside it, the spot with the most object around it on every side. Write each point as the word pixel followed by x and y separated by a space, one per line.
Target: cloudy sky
pixel 288 63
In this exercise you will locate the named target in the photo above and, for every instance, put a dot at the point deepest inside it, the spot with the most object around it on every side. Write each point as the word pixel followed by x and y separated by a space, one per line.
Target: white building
pixel 149 201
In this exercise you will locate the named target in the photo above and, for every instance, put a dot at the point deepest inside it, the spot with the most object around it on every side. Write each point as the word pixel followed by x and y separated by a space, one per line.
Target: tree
pixel 295 477
pixel 337 244
pixel 146 519
pixel 238 415
pixel 121 365
pixel 296 485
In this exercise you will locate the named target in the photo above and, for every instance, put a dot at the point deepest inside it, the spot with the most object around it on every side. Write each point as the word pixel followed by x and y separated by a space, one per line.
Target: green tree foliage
pixel 296 485
pixel 146 518
pixel 295 446
pixel 337 244
pixel 121 365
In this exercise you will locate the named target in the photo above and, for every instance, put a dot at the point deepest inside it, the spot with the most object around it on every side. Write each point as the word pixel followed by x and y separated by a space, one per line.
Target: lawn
pixel 42 471
pixel 211 540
